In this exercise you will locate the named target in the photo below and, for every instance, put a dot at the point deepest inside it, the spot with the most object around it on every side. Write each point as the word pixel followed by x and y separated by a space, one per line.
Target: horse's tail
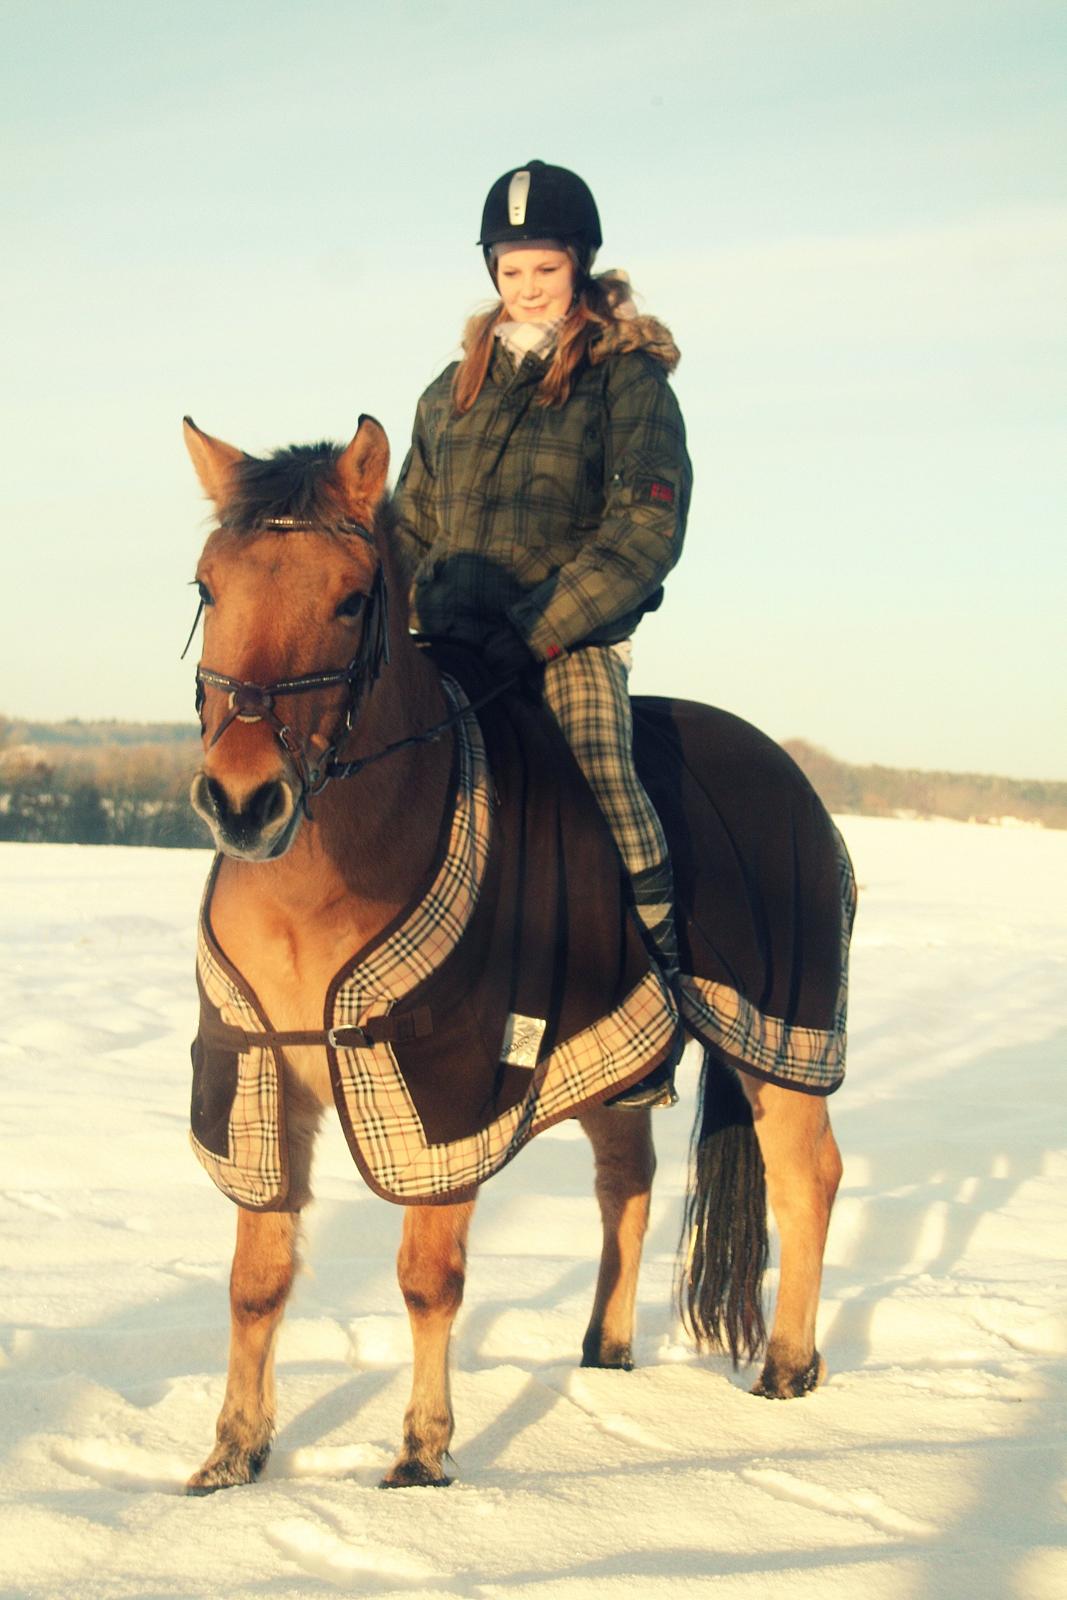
pixel 724 1233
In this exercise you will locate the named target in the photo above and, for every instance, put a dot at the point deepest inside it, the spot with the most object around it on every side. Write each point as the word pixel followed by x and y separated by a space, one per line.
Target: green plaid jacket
pixel 563 521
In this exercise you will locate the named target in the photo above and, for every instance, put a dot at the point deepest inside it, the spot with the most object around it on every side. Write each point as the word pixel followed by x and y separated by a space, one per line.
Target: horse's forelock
pixel 299 481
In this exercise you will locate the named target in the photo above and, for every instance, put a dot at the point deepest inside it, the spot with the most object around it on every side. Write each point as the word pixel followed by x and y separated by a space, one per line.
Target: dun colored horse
pixel 293 582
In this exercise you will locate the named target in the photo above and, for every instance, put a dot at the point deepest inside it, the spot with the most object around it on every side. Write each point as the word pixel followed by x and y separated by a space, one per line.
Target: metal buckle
pixel 359 1043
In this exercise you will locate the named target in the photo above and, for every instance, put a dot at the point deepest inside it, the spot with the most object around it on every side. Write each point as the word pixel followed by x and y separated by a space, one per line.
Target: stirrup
pixel 648 1094
pixel 644 1096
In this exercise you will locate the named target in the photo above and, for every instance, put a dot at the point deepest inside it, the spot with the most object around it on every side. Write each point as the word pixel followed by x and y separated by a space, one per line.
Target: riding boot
pixel 653 903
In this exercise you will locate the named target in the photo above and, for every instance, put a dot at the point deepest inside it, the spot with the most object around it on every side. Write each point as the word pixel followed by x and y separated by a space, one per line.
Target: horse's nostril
pixel 217 796
pixel 208 799
pixel 267 804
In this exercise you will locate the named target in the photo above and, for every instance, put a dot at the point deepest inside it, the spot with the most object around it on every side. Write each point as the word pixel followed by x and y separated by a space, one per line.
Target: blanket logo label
pixel 522 1040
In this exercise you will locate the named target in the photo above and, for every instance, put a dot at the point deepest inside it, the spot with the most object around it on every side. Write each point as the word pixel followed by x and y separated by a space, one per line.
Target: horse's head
pixel 295 627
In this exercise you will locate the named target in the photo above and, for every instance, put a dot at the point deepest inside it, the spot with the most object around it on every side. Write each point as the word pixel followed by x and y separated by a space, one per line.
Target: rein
pixel 254 702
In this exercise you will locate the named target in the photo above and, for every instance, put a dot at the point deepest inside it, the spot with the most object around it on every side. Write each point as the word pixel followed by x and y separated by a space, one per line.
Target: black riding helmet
pixel 539 201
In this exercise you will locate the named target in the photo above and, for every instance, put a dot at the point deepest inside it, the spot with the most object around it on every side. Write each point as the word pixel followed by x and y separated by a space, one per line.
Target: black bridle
pixel 254 702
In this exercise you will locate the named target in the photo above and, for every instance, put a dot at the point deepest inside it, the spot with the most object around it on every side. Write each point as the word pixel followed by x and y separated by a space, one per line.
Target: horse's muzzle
pixel 259 827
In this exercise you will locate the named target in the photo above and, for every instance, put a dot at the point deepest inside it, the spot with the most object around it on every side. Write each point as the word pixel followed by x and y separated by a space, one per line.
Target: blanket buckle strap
pixel 347 1037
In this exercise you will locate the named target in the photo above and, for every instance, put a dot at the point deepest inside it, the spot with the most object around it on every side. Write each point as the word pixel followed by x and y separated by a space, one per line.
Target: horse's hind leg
pixel 260 1281
pixel 431 1267
pixel 803 1167
pixel 625 1164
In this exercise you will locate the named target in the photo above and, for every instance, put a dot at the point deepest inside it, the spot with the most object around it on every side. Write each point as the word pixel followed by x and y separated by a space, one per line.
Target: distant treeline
pixel 99 783
pixel 128 783
pixel 901 791
pixel 79 734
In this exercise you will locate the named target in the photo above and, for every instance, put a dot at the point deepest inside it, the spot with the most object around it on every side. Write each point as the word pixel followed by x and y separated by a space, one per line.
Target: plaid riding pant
pixel 587 694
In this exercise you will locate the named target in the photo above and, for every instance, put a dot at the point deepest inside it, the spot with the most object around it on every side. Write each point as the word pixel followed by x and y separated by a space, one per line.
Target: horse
pixel 326 824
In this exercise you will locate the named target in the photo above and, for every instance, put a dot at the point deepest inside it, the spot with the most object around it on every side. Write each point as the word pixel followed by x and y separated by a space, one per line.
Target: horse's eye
pixel 352 604
pixel 206 597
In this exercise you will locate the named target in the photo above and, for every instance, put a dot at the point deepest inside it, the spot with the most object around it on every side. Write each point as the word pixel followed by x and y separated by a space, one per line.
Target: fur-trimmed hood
pixel 636 333
pixel 626 331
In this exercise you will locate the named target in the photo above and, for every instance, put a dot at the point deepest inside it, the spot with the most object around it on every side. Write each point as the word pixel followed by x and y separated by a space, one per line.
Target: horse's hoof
pixel 613 1357
pixel 199 1486
pixel 776 1384
pixel 227 1469
pixel 414 1475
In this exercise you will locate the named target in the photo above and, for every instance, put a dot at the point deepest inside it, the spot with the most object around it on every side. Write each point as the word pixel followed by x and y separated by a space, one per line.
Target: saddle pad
pixel 502 1001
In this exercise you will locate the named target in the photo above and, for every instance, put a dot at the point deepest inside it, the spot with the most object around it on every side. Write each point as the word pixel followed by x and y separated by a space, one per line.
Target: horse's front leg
pixel 803 1167
pixel 431 1267
pixel 625 1165
pixel 260 1281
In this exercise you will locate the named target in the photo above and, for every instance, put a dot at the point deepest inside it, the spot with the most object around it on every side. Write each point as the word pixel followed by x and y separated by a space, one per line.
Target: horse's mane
pixel 298 481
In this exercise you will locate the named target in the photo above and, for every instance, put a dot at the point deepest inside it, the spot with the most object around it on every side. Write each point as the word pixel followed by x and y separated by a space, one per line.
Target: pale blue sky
pixel 851 212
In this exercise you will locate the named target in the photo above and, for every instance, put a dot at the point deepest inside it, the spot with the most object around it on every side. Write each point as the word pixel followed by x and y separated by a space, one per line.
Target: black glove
pixel 506 653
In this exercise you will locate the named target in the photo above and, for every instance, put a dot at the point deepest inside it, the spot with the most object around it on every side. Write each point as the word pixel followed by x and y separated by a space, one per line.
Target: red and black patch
pixel 656 491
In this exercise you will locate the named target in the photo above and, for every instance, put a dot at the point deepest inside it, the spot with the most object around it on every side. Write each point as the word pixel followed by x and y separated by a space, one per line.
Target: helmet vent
pixel 518 193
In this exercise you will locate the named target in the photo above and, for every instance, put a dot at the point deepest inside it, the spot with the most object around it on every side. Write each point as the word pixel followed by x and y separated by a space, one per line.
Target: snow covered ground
pixel 931 1464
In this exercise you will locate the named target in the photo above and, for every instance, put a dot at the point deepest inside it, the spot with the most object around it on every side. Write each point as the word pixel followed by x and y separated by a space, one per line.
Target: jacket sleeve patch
pixel 656 491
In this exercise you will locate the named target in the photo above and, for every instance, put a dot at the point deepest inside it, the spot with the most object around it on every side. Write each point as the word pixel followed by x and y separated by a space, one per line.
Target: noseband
pixel 254 702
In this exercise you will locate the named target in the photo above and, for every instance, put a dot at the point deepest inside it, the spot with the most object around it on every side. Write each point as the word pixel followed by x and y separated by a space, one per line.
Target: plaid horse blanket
pixel 517 990
pixel 514 992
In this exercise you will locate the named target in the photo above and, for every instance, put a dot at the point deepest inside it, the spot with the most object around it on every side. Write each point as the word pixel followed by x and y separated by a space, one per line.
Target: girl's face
pixel 536 282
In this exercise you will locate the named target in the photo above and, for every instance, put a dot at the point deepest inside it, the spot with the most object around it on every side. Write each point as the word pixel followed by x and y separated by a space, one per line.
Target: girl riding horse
pixel 544 499
pixel 540 508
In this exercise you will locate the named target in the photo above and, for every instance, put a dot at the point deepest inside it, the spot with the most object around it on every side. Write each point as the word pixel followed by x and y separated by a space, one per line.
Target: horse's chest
pixel 306 1069
pixel 291 991
pixel 288 963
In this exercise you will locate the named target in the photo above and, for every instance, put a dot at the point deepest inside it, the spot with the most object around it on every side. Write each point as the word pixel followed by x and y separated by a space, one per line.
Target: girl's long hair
pixel 594 310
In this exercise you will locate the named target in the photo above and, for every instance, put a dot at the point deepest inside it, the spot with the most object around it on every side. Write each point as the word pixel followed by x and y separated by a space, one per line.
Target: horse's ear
pixel 214 461
pixel 363 465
